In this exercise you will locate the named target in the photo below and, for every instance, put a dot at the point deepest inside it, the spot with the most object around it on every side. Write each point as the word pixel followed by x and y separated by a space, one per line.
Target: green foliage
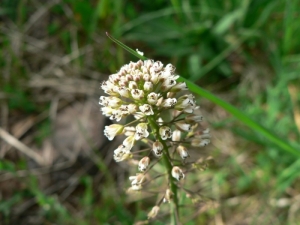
pixel 209 41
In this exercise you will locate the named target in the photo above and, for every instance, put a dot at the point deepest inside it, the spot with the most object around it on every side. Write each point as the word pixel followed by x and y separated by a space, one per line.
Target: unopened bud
pixel 144 163
pixel 182 151
pixel 158 148
pixel 168 196
pixel 153 213
pixel 177 173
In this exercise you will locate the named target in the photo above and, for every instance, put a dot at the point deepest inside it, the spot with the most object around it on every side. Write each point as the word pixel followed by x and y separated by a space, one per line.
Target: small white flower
pixel 111 131
pixel 165 132
pixel 176 135
pixel 181 86
pixel 144 163
pixel 132 108
pixel 137 76
pixel 146 77
pixel 169 83
pixel 138 115
pixel 182 125
pixel 186 103
pixel 169 102
pixel 116 115
pixel 177 173
pixel 103 101
pixel 123 91
pixel 154 77
pixel 157 66
pixel 124 110
pixel 141 131
pixel 128 77
pixel 129 142
pixel 193 118
pixel 137 94
pixel 146 109
pixel 153 213
pixel 148 86
pixel 169 67
pixel 157 148
pixel 168 196
pixel 132 85
pixel 136 181
pixel 160 121
pixel 107 111
pixel 107 87
pixel 199 142
pixel 122 153
pixel 114 78
pixel 182 151
pixel 152 98
pixel 129 131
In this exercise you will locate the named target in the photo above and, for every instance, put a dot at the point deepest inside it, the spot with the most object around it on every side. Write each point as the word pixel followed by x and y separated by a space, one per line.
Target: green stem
pixel 166 157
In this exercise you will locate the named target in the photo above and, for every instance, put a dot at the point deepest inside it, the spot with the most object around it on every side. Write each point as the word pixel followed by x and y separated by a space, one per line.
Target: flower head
pixel 149 91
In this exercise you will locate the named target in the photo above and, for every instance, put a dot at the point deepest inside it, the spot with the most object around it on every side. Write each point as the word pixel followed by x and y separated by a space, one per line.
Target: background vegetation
pixel 56 166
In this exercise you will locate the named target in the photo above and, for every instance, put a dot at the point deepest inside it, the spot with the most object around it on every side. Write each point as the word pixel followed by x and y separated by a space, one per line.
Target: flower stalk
pixel 149 91
pixel 168 165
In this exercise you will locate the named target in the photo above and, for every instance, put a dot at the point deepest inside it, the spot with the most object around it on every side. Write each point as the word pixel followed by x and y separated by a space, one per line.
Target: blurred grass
pixel 245 52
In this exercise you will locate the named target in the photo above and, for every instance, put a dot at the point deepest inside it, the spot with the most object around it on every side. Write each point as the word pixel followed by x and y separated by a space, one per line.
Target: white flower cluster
pixel 148 91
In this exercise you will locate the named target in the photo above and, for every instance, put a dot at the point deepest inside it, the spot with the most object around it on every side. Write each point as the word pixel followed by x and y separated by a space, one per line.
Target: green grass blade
pixel 130 50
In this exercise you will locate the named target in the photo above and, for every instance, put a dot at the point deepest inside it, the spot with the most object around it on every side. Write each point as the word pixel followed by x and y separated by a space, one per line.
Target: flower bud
pixel 112 130
pixel 129 131
pixel 132 108
pixel 170 68
pixel 122 153
pixel 141 131
pixel 158 148
pixel 193 118
pixel 152 98
pixel 107 111
pixel 177 173
pixel 144 163
pixel 176 135
pixel 132 85
pixel 182 151
pixel 182 125
pixel 148 86
pixel 157 66
pixel 146 109
pixel 168 196
pixel 181 86
pixel 123 91
pixel 153 213
pixel 129 142
pixel 199 142
pixel 136 181
pixel 169 83
pixel 186 103
pixel 169 102
pixel 165 132
pixel 137 94
pixel 116 115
